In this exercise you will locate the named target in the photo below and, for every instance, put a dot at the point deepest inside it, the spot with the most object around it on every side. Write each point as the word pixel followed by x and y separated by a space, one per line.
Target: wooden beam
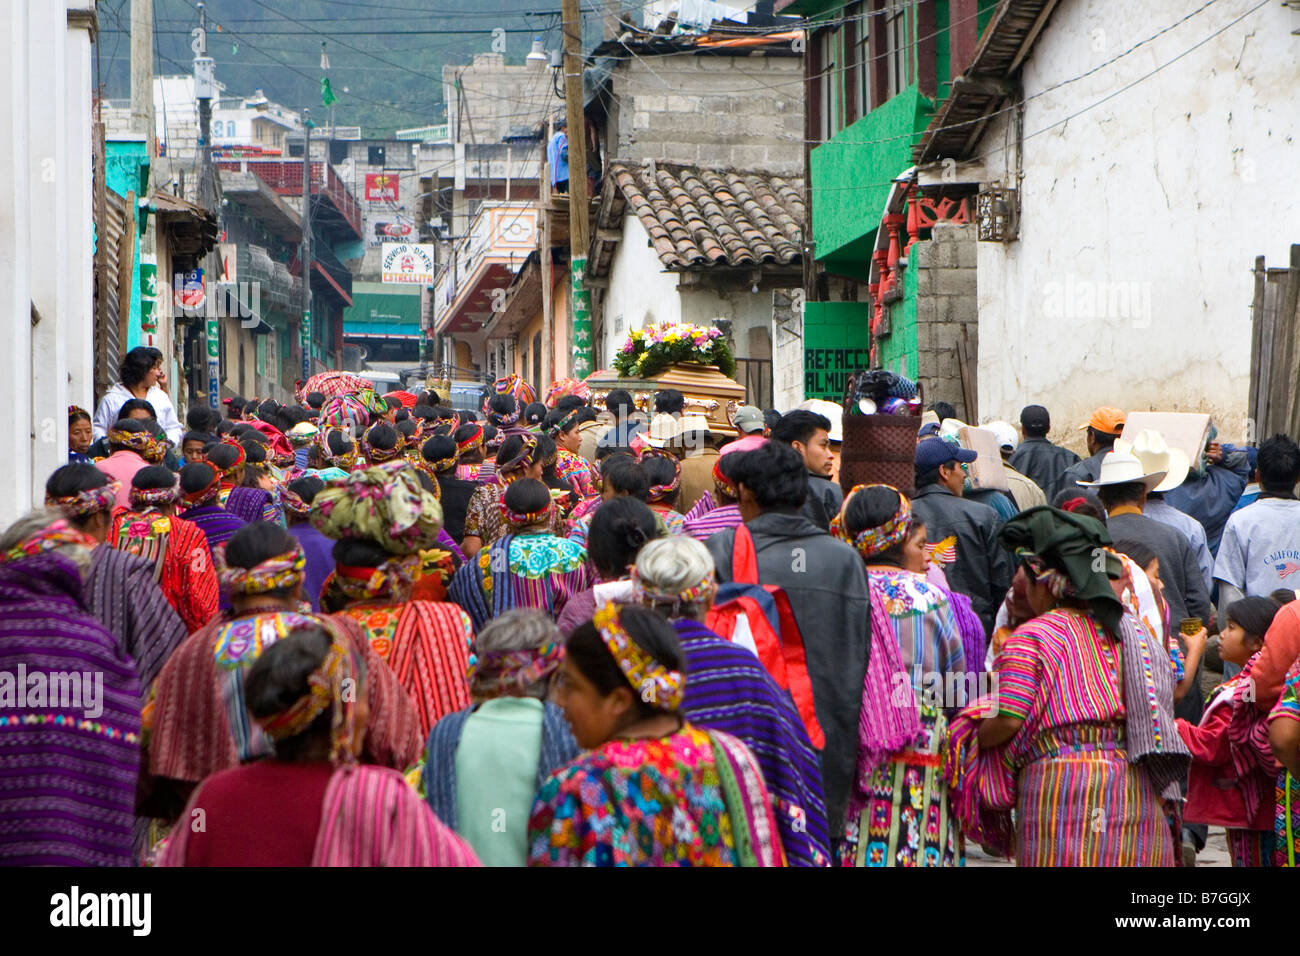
pixel 1028 43
pixel 609 235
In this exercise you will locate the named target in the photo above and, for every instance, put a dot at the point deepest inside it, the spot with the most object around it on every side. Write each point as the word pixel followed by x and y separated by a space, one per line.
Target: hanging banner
pixel 148 293
pixel 581 321
pixel 382 187
pixel 306 345
pixel 212 329
pixel 407 263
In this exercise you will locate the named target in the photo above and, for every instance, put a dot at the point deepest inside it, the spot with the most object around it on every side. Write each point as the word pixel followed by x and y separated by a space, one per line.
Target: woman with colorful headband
pixel 67 780
pixel 484 764
pixel 730 690
pixel 564 427
pixel 518 457
pixel 296 498
pixel 177 548
pixel 197 721
pixel 333 455
pixel 664 472
pixel 249 503
pixel 306 695
pixel 382 443
pixel 201 504
pixel 618 530
pixel 441 455
pixel 382 518
pixel 529 566
pixel 118 588
pixel 562 492
pixel 899 812
pixel 1080 727
pixel 132 447
pixel 469 439
pixel 651 789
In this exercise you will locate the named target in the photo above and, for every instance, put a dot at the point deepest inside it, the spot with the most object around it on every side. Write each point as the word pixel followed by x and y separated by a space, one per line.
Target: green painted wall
pixel 851 176
pixel 837 343
pixel 126 170
pixel 898 349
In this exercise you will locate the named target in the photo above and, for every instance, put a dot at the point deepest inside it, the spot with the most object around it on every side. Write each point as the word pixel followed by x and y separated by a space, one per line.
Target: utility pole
pixel 306 245
pixel 581 338
pixel 142 118
pixel 204 88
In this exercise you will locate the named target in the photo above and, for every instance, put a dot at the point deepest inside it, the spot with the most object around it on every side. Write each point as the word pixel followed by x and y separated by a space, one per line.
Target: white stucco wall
pixel 1165 193
pixel 640 292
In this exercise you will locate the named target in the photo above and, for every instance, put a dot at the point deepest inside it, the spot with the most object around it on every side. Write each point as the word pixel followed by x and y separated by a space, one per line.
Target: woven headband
pixel 273 574
pixel 326 688
pixel 472 442
pixel 659 492
pixel 522 519
pixel 722 482
pixel 142 443
pixel 870 542
pixel 565 423
pixel 509 673
pixel 234 470
pixel 390 579
pixel 57 534
pixel 86 503
pixel 648 594
pixel 524 458
pixel 206 493
pixel 344 461
pixel 155 496
pixel 655 683
pixel 1057 583
pixel 293 503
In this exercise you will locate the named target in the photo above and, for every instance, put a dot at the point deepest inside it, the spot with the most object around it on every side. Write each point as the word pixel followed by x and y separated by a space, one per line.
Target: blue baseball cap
pixel 933 452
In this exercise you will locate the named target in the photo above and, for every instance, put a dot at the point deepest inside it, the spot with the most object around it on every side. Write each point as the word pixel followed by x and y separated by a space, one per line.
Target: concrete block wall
pixel 787 349
pixel 946 309
pixel 742 112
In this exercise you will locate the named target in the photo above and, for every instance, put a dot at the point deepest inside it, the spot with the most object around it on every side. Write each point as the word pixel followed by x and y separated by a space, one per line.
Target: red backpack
pixel 759 616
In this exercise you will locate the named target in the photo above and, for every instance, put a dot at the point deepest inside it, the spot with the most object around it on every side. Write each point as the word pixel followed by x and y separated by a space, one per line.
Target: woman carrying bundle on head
pixel 518 457
pixel 730 690
pixel 899 813
pixel 484 763
pixel 381 519
pixel 197 723
pixel 177 548
pixel 308 695
pixel 651 789
pixel 528 566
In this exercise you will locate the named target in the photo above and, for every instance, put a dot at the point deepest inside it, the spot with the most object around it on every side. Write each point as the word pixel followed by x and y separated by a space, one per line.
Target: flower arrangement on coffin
pixel 649 351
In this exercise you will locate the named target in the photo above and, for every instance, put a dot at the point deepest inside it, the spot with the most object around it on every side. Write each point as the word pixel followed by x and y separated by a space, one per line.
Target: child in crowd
pixel 1233 773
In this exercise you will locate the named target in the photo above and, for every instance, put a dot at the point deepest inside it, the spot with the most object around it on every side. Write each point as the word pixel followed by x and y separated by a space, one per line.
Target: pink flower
pixel 138 529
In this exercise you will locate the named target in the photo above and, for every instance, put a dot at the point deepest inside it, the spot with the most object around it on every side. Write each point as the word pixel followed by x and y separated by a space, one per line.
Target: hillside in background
pixel 387 55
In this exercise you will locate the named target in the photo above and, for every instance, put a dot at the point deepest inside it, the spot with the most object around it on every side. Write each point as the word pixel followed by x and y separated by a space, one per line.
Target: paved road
pixel 1214 854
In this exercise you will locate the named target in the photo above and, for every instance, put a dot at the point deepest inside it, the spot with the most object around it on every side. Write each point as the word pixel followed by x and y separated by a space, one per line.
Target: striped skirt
pixel 1081 803
pixel 1250 847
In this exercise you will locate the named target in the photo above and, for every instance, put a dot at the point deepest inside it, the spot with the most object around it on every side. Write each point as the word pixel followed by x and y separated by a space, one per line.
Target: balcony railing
pixel 285 178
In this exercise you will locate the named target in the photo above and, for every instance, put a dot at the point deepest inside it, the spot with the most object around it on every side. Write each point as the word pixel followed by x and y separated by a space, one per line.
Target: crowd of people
pixel 365 630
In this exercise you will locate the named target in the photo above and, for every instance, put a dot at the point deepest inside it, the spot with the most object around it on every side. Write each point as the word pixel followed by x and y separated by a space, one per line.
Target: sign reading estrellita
pixel 407 263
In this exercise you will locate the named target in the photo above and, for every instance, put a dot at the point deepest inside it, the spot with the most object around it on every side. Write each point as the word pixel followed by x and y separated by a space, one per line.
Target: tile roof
pixel 699 218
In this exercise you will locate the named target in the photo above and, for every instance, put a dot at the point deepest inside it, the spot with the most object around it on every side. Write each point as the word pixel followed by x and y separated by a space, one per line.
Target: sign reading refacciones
pixel 407 263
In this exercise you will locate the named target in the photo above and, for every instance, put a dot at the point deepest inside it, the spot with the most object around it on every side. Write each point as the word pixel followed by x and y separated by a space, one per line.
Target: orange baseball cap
pixel 1106 419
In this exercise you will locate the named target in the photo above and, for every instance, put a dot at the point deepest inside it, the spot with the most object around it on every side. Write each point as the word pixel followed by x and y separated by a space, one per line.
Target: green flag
pixel 327 96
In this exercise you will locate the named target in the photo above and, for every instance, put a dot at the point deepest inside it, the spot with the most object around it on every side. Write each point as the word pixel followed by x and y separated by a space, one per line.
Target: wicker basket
pixel 879 449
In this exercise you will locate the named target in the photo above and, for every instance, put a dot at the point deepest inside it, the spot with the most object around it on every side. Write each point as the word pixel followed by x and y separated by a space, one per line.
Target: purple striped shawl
pixel 120 591
pixel 728 689
pixel 67 783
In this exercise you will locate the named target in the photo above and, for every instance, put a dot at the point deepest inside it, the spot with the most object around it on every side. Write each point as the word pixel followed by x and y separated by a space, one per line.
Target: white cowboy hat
pixel 1007 435
pixel 663 428
pixel 691 423
pixel 1150 448
pixel 832 410
pixel 1122 468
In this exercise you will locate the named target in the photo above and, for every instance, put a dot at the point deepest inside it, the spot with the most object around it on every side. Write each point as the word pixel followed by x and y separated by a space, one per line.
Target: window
pixel 537 361
pixel 376 156
pixel 862 57
pixel 824 80
pixel 898 23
